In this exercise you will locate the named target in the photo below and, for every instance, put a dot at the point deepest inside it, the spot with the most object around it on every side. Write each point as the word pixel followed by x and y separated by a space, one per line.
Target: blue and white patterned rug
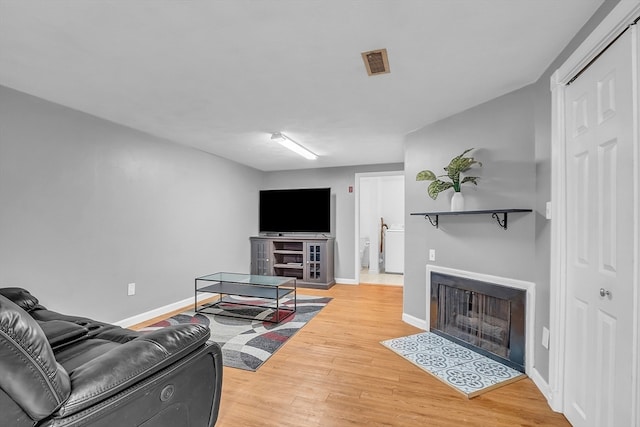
pixel 466 371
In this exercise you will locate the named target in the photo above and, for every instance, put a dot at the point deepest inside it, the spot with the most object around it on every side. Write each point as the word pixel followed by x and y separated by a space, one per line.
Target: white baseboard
pixel 542 385
pixel 139 318
pixel 414 321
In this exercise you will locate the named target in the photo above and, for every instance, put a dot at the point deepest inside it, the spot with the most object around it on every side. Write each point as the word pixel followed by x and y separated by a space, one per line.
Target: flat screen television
pixel 301 210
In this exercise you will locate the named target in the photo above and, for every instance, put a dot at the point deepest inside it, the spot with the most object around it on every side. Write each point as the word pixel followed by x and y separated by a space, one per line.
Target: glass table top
pixel 249 279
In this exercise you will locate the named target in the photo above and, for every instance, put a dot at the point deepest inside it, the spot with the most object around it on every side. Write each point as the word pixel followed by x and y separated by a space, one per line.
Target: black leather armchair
pixel 60 370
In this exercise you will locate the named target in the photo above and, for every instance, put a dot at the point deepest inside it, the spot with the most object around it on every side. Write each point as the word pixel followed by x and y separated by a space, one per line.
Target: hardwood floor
pixel 335 372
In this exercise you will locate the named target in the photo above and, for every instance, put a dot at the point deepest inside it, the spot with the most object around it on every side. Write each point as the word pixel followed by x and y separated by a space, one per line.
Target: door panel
pixel 605 358
pixel 582 204
pixel 608 156
pixel 579 384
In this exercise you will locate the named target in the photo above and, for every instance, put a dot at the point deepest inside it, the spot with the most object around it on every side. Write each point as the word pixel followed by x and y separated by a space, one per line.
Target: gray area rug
pixel 247 344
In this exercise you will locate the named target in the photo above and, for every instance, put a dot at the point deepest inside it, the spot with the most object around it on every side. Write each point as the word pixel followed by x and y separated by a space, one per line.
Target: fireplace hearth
pixel 486 317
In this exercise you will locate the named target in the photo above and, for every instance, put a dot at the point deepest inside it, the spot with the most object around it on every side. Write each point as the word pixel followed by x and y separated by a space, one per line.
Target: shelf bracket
pixel 435 224
pixel 502 223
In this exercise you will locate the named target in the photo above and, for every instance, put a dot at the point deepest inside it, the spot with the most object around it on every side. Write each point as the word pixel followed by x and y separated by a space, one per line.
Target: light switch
pixel 545 337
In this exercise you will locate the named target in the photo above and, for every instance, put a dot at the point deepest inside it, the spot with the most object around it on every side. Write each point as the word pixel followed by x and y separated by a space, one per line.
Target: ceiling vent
pixel 376 61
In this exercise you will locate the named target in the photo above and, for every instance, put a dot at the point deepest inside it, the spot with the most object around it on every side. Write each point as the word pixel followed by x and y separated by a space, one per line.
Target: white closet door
pixel 600 250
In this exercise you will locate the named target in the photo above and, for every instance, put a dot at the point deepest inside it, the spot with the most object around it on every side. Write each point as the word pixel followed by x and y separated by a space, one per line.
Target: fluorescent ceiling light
pixel 293 146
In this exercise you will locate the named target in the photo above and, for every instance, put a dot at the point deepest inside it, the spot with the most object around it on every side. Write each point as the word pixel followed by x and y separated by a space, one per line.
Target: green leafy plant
pixel 456 166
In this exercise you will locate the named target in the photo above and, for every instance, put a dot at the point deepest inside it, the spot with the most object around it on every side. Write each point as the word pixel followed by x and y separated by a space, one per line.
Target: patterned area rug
pixel 247 344
pixel 466 371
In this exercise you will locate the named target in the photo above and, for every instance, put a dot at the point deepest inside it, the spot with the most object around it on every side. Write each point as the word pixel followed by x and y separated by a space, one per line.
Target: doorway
pixel 379 230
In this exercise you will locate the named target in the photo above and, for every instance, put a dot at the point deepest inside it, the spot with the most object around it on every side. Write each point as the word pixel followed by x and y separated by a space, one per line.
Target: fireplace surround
pixel 487 317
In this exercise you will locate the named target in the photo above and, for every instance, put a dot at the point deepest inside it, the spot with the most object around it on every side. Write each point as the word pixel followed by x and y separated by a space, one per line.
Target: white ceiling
pixel 221 75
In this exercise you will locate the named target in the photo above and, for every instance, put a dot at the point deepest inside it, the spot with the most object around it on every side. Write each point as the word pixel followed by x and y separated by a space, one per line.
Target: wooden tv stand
pixel 308 259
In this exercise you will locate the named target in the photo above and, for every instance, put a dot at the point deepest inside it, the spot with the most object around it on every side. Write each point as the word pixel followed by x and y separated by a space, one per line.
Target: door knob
pixel 604 292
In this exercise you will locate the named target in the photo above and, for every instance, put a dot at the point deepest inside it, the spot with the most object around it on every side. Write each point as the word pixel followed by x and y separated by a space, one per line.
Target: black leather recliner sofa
pixel 60 370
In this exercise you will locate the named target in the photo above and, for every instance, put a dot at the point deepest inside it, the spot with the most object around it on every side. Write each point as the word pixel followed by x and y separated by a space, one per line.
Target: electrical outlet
pixel 131 289
pixel 545 337
pixel 432 254
pixel 547 213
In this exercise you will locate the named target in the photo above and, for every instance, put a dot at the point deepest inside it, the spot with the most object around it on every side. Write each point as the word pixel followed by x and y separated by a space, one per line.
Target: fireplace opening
pixel 486 317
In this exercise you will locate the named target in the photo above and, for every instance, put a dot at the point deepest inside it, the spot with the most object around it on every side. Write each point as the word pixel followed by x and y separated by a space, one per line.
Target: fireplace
pixel 488 318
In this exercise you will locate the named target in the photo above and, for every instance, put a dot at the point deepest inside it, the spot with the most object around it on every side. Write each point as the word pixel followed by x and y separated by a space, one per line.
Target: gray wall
pixel 343 204
pixel 87 206
pixel 502 132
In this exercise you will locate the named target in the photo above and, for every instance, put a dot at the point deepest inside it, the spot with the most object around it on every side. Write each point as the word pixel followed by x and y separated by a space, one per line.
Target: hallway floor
pixel 381 279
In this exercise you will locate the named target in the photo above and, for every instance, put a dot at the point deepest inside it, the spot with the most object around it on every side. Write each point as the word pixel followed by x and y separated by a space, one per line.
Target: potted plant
pixel 456 166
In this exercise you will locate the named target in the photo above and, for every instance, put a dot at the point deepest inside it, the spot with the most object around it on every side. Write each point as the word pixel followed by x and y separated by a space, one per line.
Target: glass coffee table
pixel 260 294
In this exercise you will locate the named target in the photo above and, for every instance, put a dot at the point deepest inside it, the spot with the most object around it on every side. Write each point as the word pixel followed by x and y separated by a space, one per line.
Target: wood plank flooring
pixel 335 372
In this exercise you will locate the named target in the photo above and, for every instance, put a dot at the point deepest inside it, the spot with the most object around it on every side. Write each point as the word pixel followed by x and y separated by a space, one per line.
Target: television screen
pixel 303 210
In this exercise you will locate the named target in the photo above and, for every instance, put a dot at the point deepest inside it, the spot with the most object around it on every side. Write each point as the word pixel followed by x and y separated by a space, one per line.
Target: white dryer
pixel 394 251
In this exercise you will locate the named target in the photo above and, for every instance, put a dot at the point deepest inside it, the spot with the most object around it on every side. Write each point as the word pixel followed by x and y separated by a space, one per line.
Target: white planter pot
pixel 457 202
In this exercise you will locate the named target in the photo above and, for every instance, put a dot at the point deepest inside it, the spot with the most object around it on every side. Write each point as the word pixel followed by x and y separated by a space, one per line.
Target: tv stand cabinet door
pixel 261 257
pixel 315 268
